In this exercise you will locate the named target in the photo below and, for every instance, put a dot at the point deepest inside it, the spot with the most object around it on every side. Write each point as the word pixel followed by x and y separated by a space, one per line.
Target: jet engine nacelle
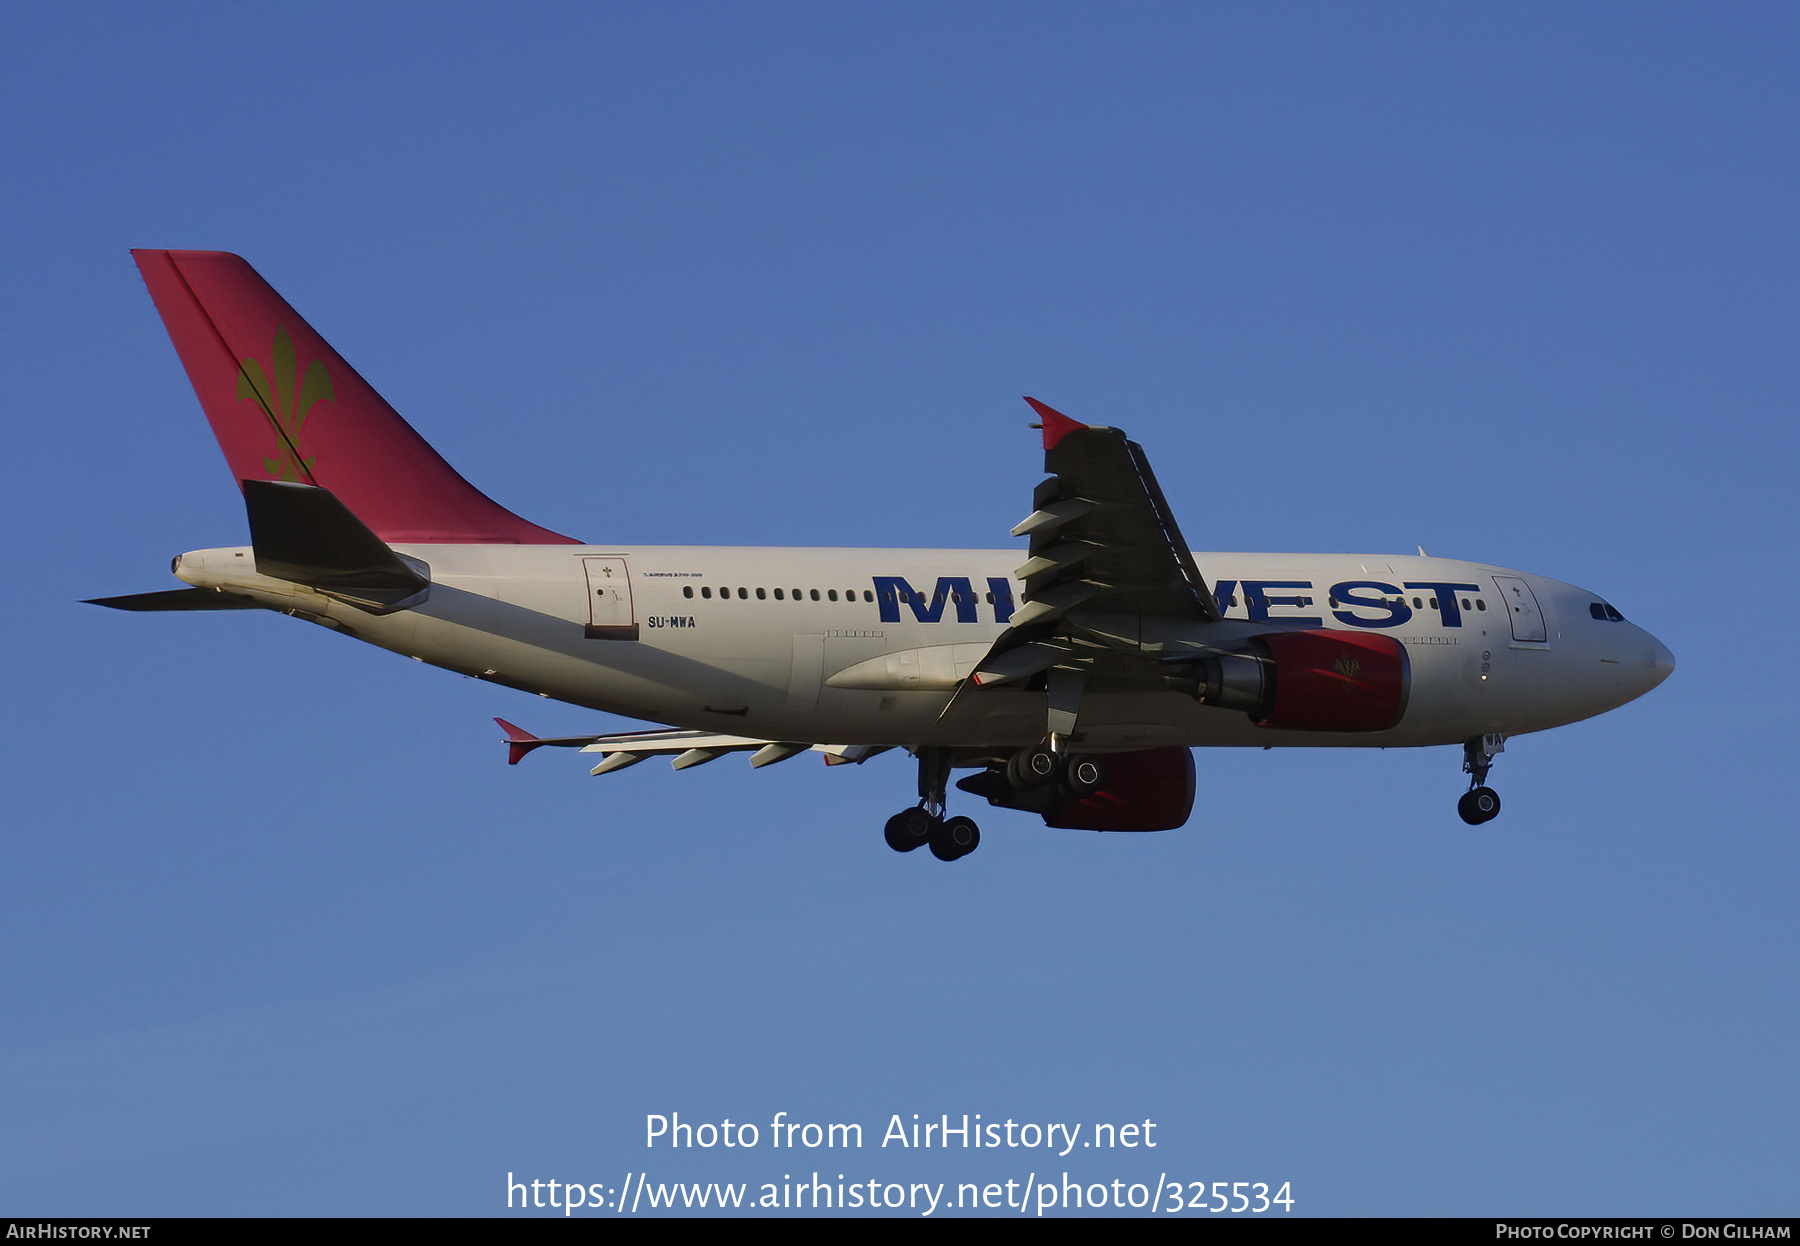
pixel 1150 790
pixel 1314 680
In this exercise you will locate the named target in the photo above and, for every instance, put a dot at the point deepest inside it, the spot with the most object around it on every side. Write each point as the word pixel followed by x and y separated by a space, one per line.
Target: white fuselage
pixel 873 667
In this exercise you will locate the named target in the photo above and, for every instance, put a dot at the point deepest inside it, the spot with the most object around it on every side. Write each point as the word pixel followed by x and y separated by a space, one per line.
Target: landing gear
pixel 1044 764
pixel 908 829
pixel 1083 776
pixel 1480 803
pixel 1033 767
pixel 949 838
pixel 957 837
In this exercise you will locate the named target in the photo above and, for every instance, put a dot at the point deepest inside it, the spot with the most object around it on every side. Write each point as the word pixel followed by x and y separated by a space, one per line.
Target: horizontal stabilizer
pixel 304 534
pixel 175 599
pixel 520 741
pixel 693 748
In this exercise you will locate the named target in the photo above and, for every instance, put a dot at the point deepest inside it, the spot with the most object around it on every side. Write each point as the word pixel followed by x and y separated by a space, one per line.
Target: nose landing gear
pixel 1480 803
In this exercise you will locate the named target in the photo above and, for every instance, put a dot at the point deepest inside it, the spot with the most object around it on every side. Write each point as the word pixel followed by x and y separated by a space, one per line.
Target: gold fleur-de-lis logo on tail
pixel 285 403
pixel 1347 666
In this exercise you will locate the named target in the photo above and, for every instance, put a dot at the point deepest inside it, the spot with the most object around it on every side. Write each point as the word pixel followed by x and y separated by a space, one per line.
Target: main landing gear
pixel 1480 803
pixel 1044 764
pixel 925 824
pixel 948 838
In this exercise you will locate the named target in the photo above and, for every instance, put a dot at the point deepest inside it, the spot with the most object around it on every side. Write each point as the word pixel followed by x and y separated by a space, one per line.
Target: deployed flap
pixel 176 599
pixel 304 534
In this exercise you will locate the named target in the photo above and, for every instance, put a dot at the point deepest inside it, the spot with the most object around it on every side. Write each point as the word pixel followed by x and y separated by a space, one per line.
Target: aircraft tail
pixel 285 406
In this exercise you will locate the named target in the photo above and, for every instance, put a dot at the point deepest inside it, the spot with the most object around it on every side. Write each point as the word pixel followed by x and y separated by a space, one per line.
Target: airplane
pixel 1074 681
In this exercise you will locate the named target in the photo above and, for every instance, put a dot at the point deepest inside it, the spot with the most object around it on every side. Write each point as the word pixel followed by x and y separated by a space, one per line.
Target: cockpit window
pixel 1600 610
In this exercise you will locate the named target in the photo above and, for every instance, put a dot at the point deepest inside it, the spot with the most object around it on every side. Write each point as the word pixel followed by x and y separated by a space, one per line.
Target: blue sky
pixel 280 932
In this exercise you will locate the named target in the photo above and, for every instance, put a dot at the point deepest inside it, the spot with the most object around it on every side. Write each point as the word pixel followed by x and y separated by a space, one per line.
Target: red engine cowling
pixel 1151 790
pixel 1336 681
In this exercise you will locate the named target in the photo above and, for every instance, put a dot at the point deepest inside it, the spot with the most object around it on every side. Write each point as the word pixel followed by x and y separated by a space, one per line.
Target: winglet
pixel 518 741
pixel 1056 425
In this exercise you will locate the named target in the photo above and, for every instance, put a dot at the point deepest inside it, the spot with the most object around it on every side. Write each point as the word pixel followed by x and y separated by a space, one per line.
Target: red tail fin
pixel 285 406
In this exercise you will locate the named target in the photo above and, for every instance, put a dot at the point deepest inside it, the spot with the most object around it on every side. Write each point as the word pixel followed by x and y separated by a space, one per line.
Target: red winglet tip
pixel 1056 424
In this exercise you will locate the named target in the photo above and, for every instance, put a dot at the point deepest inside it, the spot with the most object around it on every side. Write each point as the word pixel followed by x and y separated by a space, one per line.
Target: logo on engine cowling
pixel 1347 666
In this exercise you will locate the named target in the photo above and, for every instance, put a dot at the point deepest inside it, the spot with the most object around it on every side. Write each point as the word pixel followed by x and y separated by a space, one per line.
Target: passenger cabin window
pixel 687 590
pixel 1416 605
pixel 831 593
pixel 815 594
pixel 743 593
pixel 762 596
pixel 1480 604
pixel 706 591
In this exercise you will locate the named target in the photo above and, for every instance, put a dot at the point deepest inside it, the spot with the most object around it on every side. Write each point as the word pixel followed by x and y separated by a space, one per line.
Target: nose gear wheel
pixel 1478 805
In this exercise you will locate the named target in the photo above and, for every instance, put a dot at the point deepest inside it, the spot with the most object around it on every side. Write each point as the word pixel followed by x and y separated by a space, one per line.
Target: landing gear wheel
pixel 1084 776
pixel 1478 805
pixel 1033 767
pixel 908 829
pixel 957 837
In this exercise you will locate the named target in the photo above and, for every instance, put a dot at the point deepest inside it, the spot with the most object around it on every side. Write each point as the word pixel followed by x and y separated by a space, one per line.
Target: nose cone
pixel 1662 662
pixel 1642 663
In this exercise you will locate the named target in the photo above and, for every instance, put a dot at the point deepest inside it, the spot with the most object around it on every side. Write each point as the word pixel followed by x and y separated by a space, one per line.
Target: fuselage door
pixel 1521 608
pixel 610 615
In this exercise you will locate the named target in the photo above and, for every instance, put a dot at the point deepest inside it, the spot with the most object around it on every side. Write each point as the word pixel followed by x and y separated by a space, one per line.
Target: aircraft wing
pixel 1102 535
pixel 1106 554
pixel 688 748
